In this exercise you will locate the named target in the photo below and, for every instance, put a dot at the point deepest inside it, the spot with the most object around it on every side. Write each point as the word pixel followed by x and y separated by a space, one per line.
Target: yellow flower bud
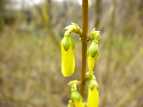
pixel 68 60
pixel 92 53
pixel 78 103
pixel 91 63
pixel 93 95
pixel 77 99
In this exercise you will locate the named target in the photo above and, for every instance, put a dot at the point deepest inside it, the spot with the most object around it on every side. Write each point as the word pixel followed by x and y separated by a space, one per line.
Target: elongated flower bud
pixel 91 63
pixel 67 55
pixel 77 99
pixel 92 53
pixel 93 95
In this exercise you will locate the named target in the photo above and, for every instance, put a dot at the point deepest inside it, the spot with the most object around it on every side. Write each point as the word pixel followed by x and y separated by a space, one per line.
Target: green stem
pixel 84 43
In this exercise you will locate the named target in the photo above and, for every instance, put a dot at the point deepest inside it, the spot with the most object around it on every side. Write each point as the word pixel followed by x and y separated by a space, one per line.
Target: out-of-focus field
pixel 30 72
pixel 30 61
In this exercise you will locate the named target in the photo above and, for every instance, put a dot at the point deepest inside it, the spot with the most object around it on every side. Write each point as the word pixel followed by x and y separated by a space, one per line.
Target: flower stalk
pixel 68 61
pixel 84 44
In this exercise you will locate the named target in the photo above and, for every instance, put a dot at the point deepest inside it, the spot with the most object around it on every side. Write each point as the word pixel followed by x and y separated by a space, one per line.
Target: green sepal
pixel 90 76
pixel 75 96
pixel 95 34
pixel 66 42
pixel 93 84
pixel 93 49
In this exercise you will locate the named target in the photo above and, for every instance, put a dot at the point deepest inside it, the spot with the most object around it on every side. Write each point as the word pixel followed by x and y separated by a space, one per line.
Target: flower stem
pixel 84 43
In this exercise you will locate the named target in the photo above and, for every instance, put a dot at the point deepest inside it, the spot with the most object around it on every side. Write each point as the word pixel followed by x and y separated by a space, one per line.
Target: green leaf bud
pixel 95 34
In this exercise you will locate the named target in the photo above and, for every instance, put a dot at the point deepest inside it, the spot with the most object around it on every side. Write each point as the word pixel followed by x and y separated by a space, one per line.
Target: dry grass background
pixel 30 73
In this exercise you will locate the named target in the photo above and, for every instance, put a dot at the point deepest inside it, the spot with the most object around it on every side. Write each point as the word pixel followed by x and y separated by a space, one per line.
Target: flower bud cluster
pixel 68 66
pixel 67 50
pixel 93 95
pixel 93 50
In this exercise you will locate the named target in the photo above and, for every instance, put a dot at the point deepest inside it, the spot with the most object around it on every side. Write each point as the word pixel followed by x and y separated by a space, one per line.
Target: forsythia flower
pixel 93 95
pixel 77 99
pixel 92 53
pixel 67 55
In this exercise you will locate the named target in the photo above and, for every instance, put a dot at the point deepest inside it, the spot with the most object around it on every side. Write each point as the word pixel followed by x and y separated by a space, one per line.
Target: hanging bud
pixel 77 99
pixel 93 95
pixel 67 55
pixel 92 53
pixel 66 43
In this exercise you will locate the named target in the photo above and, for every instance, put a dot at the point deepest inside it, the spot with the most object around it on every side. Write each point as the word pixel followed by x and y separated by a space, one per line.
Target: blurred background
pixel 30 35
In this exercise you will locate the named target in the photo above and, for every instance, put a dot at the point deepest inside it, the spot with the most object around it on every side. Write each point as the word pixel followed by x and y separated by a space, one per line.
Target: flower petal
pixel 93 97
pixel 68 61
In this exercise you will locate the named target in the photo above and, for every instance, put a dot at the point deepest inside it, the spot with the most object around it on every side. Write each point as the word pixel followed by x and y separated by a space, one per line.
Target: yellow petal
pixel 78 103
pixel 91 63
pixel 93 97
pixel 68 61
